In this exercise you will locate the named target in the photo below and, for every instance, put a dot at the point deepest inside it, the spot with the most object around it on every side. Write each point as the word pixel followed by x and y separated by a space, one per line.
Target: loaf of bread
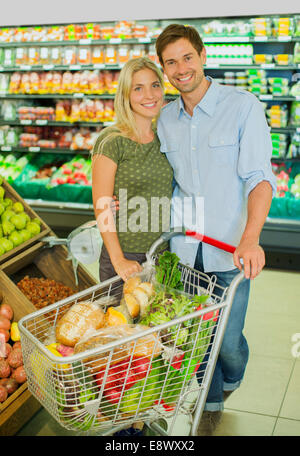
pixel 136 296
pixel 76 321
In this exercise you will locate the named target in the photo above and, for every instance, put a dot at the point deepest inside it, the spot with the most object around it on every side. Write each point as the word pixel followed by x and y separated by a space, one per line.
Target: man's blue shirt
pixel 218 155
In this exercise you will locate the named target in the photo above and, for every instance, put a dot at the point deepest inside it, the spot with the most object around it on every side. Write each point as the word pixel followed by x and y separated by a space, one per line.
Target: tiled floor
pixel 268 401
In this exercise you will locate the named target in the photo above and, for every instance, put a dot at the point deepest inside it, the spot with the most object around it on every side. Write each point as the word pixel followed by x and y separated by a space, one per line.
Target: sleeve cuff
pixel 258 177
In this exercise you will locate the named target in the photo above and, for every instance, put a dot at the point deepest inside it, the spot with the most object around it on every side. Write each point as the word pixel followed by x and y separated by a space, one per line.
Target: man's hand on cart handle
pixel 253 258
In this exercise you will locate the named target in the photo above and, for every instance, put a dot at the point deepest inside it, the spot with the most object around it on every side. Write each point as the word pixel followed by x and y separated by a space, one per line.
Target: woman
pixel 127 163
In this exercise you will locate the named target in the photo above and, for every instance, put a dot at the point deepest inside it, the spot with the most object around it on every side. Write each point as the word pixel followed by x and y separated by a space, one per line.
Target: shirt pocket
pixel 223 148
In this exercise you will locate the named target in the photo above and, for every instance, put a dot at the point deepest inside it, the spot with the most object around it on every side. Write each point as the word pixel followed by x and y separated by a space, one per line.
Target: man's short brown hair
pixel 173 33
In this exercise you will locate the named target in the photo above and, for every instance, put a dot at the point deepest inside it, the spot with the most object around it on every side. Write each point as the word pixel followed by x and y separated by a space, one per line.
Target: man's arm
pixel 259 203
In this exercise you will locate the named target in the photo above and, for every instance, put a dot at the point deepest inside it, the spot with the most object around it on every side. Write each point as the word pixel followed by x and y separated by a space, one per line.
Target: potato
pixel 3 393
pixel 8 349
pixel 4 368
pixel 15 358
pixel 17 344
pixel 6 311
pixel 10 384
pixel 4 323
pixel 19 374
pixel 6 334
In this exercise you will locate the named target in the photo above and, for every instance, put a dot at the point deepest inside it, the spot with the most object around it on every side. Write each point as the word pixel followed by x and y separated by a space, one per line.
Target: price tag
pixel 115 40
pixel 6 148
pixel 48 67
pixel 1 68
pixel 213 65
pixel 297 98
pixel 144 40
pixel 25 67
pixel 284 38
pixel 41 122
pixel 260 38
pixel 85 41
pixel 75 67
pixel 78 95
pixel 99 66
pixel 298 130
pixel 34 149
pixel 268 65
pixel 266 97
pixel 25 122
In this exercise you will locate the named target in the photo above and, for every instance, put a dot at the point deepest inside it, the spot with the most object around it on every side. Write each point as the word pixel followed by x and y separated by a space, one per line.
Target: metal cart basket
pixel 82 391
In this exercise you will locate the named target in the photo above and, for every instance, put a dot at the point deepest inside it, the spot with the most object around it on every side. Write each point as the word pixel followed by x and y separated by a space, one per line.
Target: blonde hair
pixel 125 124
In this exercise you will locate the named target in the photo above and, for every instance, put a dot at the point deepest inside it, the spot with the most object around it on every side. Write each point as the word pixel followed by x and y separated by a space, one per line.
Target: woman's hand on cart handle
pixel 253 258
pixel 126 268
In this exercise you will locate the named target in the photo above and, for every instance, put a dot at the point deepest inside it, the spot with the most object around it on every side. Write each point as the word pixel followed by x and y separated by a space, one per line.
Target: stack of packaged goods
pixel 279 144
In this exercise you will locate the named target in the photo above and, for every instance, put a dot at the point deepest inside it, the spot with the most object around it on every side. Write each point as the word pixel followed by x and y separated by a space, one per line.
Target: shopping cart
pixel 104 390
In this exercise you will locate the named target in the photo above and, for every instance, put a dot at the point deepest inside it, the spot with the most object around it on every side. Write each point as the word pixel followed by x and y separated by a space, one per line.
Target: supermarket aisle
pixel 268 402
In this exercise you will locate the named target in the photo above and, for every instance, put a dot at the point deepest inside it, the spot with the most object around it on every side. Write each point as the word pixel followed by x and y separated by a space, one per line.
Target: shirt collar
pixel 208 102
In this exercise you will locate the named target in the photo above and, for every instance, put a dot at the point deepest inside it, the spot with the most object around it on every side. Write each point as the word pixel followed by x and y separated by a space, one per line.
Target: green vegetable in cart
pixel 167 272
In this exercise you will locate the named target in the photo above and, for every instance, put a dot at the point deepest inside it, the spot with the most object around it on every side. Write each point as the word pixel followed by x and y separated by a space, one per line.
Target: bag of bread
pixel 145 346
pixel 80 318
pixel 137 292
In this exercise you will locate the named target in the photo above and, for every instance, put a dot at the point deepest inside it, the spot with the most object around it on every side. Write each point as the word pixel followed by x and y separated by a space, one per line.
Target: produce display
pixel 16 226
pixel 11 165
pixel 12 372
pixel 76 171
pixel 152 370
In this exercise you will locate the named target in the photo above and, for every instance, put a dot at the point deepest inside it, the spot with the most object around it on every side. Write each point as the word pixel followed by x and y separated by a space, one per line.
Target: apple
pixel 33 228
pixel 18 207
pixel 7 227
pixel 1 250
pixel 19 221
pixel 1 231
pixel 16 238
pixel 25 235
pixel 36 220
pixel 6 244
pixel 7 202
pixel 2 193
pixel 2 208
pixel 7 214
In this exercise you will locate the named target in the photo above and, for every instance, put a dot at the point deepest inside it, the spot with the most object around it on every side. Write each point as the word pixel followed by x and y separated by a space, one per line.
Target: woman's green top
pixel 143 186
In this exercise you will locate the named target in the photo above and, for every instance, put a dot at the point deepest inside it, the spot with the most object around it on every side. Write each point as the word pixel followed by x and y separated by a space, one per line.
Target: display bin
pixel 36 261
pixel 45 230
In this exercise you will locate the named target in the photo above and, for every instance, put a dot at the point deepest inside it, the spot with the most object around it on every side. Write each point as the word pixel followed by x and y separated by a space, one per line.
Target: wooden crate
pixel 45 230
pixel 36 261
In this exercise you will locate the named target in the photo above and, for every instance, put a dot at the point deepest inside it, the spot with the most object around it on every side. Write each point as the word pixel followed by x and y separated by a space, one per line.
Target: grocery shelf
pixel 150 40
pixel 50 123
pixel 37 149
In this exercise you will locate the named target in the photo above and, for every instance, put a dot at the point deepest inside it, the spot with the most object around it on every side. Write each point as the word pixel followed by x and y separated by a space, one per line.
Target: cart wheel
pixel 158 427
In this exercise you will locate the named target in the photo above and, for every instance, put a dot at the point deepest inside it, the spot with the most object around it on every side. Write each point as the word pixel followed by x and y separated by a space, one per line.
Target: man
pixel 218 142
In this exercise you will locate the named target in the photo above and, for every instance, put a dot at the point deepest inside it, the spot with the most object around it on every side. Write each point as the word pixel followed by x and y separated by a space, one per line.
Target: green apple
pixel 1 250
pixel 18 207
pixel 7 202
pixel 7 227
pixel 1 180
pixel 33 228
pixel 16 238
pixel 2 208
pixel 36 220
pixel 2 193
pixel 6 244
pixel 19 221
pixel 25 235
pixel 1 231
pixel 7 214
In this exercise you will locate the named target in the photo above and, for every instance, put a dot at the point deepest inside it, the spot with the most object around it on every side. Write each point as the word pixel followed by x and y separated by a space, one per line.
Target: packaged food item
pixel 262 58
pixel 7 85
pixel 55 33
pixel 283 59
pixel 33 56
pixel 123 30
pixel 45 56
pixel 295 90
pixel 91 32
pixel 111 55
pixel 84 81
pixel 8 110
pixel 261 26
pixel 139 31
pixel 9 57
pixel 283 26
pixel 295 114
pixel 84 55
pixel 147 346
pixel 67 82
pixel 56 55
pixel 97 55
pixel 80 318
pixel 70 55
pixel 152 54
pixel 21 56
pixel 137 50
pixel 123 53
pixel 277 116
pixel 95 81
pixel 72 32
pixel 108 81
pixel 107 33
pixel 56 82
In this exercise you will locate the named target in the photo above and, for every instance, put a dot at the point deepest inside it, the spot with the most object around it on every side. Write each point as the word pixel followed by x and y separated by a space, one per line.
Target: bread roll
pixel 147 287
pixel 73 325
pixel 132 304
pixel 131 284
pixel 142 298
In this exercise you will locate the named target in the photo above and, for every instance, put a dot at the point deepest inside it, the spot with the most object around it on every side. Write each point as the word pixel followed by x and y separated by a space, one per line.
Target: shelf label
pixel 99 66
pixel 268 65
pixel 75 67
pixel 260 38
pixel 41 122
pixel 78 95
pixel 213 65
pixel 34 149
pixel 1 68
pixel 284 38
pixel 48 67
pixel 297 98
pixel 25 122
pixel 298 129
pixel 6 148
pixel 85 41
pixel 144 40
pixel 266 97
pixel 25 67
pixel 115 40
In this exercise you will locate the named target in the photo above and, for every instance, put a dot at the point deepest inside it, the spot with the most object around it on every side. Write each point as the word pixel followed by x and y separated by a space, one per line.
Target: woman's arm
pixel 103 177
